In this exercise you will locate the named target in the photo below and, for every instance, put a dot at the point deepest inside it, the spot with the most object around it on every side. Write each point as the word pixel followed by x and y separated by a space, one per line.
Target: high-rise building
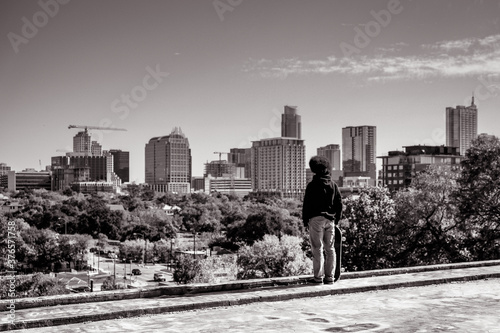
pixel 88 164
pixel 278 167
pixel 96 149
pixel 242 159
pixel 461 126
pixel 121 161
pixel 290 123
pixel 332 153
pixel 82 143
pixel 168 163
pixel 359 145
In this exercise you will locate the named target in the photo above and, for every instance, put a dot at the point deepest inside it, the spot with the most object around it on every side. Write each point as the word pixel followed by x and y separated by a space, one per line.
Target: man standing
pixel 321 211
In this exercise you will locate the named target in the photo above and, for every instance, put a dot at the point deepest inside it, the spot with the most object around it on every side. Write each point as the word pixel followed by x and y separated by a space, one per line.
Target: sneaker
pixel 313 280
pixel 328 282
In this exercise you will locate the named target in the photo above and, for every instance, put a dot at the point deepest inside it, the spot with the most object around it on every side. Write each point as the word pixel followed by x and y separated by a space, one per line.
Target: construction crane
pixel 96 127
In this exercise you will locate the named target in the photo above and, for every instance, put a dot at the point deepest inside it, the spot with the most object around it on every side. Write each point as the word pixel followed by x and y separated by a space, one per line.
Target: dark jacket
pixel 322 198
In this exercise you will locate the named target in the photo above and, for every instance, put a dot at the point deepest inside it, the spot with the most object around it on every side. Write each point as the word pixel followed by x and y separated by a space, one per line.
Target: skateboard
pixel 338 253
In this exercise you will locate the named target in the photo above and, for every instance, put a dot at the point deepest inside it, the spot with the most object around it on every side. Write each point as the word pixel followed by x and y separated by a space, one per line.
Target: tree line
pixel 448 214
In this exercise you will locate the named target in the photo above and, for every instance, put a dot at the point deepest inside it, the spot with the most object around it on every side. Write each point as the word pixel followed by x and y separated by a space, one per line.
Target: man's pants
pixel 322 237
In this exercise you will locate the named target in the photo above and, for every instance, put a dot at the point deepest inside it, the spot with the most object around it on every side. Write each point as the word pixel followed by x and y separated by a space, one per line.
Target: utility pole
pixel 194 245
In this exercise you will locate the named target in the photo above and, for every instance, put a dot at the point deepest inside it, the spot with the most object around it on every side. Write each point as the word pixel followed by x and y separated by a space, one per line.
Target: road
pixel 124 270
pixel 454 307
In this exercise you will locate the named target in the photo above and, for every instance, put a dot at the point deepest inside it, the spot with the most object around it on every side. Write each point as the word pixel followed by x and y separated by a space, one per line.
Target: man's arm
pixel 337 204
pixel 306 206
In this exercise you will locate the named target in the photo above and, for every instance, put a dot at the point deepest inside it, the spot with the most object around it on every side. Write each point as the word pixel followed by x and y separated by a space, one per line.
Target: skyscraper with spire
pixel 461 126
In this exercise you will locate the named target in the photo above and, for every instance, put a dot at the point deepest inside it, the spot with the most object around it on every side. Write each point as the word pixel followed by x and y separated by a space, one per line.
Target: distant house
pixel 116 207
pixel 170 210
pixel 11 206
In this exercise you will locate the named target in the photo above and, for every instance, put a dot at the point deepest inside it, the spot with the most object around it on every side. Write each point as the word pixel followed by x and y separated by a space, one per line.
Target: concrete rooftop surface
pixel 453 298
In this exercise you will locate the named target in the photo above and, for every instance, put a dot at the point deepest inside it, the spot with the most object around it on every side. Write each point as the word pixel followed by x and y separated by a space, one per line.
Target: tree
pixel 45 245
pixel 367 218
pixel 273 257
pixel 264 220
pixel 186 270
pixel 131 249
pixel 425 229
pixel 72 247
pixel 478 197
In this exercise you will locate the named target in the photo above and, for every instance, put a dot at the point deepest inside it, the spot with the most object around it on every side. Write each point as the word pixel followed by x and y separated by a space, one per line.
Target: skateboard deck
pixel 338 253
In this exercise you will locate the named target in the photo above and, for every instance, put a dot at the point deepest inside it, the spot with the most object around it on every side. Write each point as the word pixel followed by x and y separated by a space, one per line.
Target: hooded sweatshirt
pixel 322 198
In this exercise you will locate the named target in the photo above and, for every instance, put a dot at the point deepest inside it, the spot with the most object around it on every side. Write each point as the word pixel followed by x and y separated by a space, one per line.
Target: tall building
pixel 71 169
pixel 242 159
pixel 121 167
pixel 332 153
pixel 290 123
pixel 96 149
pixel 461 126
pixel 359 145
pixel 399 167
pixel 168 163
pixel 82 143
pixel 278 167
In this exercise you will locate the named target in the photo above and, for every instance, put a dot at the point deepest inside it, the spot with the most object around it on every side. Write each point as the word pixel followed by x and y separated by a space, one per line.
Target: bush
pixel 186 270
pixel 33 286
pixel 217 269
pixel 109 284
pixel 272 257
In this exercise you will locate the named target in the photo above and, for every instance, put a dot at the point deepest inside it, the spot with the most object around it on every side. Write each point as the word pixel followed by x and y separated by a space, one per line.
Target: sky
pixel 223 70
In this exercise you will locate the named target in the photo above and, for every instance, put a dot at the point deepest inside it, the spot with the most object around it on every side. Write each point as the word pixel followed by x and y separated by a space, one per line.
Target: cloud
pixel 444 59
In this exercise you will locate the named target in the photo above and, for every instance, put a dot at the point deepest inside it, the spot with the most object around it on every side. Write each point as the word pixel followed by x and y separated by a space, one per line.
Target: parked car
pixel 78 289
pixel 159 277
pixel 136 271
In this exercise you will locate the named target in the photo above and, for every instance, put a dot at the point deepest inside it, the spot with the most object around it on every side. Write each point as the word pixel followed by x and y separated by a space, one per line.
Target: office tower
pixel 332 153
pixel 121 162
pixel 96 149
pixel 242 159
pixel 168 163
pixel 359 144
pixel 290 123
pixel 82 143
pixel 278 167
pixel 461 126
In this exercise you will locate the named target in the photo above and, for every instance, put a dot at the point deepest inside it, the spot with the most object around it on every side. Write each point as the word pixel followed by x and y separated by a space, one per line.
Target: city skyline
pixel 224 73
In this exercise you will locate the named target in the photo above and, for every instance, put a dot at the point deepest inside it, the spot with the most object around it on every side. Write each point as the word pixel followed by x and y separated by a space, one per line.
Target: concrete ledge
pixel 203 301
pixel 158 291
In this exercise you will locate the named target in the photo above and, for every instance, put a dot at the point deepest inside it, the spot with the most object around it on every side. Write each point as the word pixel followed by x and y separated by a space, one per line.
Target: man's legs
pixel 328 243
pixel 316 236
